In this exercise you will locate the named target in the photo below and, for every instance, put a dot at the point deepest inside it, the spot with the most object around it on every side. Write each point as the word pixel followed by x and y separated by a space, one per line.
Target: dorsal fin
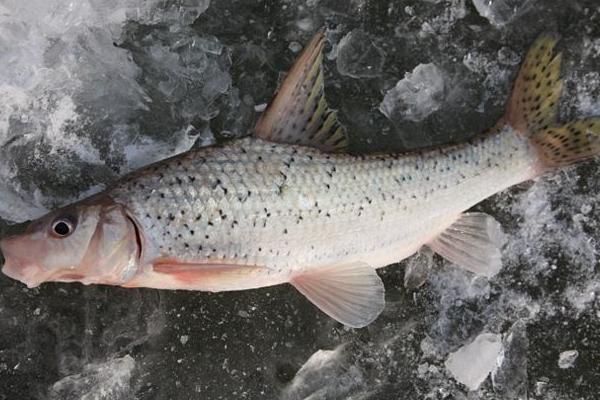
pixel 299 113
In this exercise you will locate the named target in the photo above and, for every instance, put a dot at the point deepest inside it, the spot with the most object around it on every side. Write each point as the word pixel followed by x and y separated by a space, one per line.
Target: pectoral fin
pixel 352 294
pixel 299 113
pixel 473 243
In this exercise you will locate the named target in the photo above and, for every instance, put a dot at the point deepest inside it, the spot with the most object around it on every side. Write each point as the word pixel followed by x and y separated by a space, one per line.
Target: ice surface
pixel 566 359
pixel 416 96
pixel 472 363
pixel 500 12
pixel 94 89
pixel 97 381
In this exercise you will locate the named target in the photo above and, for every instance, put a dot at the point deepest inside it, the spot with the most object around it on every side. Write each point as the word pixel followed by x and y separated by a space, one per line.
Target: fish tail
pixel 532 110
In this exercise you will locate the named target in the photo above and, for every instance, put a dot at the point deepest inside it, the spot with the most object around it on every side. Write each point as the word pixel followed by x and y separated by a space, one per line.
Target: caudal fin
pixel 532 110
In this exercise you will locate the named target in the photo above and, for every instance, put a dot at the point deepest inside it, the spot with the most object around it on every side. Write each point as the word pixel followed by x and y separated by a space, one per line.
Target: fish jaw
pixel 19 268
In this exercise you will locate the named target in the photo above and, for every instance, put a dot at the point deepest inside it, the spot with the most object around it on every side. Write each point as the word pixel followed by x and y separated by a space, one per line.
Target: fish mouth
pixel 28 273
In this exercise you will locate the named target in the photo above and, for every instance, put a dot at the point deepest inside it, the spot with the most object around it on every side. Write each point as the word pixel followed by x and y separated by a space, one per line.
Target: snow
pixel 473 363
pixel 416 96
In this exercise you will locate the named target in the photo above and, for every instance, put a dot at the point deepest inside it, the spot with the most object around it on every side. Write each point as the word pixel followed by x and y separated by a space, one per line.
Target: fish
pixel 290 204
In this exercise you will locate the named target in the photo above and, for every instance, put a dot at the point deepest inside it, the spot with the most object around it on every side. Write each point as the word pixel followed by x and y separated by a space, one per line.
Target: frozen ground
pixel 92 89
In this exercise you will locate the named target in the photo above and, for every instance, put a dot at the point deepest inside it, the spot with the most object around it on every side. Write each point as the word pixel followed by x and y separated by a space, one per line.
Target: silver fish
pixel 289 205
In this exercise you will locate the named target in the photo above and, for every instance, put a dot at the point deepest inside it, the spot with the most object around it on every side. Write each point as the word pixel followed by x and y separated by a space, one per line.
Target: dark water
pixel 68 341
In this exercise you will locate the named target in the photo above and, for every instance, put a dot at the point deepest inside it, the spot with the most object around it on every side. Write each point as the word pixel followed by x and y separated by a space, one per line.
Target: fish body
pixel 290 208
pixel 289 205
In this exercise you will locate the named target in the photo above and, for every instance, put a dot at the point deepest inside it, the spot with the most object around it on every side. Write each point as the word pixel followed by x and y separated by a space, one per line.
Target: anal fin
pixel 352 294
pixel 474 242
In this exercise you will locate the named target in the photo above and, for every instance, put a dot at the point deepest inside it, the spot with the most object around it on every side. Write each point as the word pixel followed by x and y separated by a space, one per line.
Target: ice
pixel 418 268
pixel 97 381
pixel 472 363
pixel 82 85
pixel 324 375
pixel 94 89
pixel 510 379
pixel 501 12
pixel 358 56
pixel 295 47
pixel 495 70
pixel 172 13
pixel 416 96
pixel 587 94
pixel 541 219
pixel 443 23
pixel 566 359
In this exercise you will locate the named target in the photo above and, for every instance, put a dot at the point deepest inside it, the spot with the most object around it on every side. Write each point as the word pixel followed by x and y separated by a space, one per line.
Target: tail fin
pixel 532 110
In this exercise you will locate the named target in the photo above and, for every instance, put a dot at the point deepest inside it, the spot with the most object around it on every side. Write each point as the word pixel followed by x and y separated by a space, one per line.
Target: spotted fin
pixel 473 243
pixel 533 108
pixel 299 113
pixel 568 144
pixel 352 294
pixel 534 99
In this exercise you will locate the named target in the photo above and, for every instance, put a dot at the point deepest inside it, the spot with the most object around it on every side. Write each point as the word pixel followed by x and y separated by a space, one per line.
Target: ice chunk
pixel 500 12
pixel 566 359
pixel 450 12
pixel 510 380
pixel 295 47
pixel 180 72
pixel 416 96
pixel 358 56
pixel 326 374
pixel 98 381
pixel 418 268
pixel 174 13
pixel 581 295
pixel 472 363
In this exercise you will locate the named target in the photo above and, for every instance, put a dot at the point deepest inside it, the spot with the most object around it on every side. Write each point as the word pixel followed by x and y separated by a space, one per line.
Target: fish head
pixel 94 241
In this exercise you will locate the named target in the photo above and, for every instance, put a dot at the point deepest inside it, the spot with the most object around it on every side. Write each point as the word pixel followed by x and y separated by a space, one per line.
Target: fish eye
pixel 63 226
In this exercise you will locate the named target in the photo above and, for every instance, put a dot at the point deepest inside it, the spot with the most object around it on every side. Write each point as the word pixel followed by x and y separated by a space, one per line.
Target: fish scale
pixel 289 207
